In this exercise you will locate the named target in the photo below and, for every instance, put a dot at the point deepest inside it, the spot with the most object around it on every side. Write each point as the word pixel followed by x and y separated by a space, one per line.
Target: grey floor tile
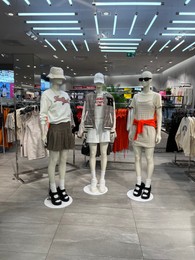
pixel 29 213
pixel 34 238
pixel 96 241
pixel 85 257
pixel 163 218
pixel 5 255
pixel 99 217
pixel 168 244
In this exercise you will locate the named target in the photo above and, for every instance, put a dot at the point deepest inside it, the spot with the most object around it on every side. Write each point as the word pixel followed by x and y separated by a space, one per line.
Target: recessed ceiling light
pixel 170 62
pixel 45 46
pixel 28 66
pixel 10 14
pixel 67 67
pixel 55 56
pixel 62 60
pixel 6 2
pixel 106 13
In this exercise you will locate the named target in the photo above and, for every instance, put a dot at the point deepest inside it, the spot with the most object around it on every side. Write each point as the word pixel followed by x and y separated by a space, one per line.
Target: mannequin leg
pixel 138 168
pixel 92 162
pixel 62 168
pixel 53 159
pixel 62 171
pixel 103 151
pixel 149 153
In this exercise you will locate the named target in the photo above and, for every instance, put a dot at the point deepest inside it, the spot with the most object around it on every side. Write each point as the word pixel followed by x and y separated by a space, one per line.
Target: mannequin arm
pixel 113 133
pixel 130 121
pixel 82 129
pixel 44 130
pixel 159 124
pixel 45 105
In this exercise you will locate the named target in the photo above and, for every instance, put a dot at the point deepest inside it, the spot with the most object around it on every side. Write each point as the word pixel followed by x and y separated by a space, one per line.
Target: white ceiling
pixel 13 38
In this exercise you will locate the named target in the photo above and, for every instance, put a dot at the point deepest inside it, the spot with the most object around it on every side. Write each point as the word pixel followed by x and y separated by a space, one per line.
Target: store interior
pixel 121 40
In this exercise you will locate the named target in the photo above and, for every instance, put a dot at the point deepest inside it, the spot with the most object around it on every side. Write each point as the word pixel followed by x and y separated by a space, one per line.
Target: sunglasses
pixel 144 79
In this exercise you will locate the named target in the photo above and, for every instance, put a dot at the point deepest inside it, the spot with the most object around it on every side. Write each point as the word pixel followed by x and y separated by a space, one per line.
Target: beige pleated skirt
pixel 60 137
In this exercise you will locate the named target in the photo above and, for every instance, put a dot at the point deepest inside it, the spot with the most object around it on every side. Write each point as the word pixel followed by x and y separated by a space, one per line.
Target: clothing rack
pixel 190 162
pixel 18 173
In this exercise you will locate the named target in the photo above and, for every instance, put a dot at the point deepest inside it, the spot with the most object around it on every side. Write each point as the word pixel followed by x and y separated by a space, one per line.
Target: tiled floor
pixel 104 227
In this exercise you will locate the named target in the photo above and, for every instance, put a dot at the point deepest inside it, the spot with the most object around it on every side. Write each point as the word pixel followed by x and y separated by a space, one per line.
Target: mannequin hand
pixel 113 135
pixel 158 138
pixel 44 139
pixel 130 136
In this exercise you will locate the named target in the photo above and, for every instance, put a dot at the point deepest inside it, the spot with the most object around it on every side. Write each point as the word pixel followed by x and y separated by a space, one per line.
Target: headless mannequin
pixel 55 156
pixel 92 159
pixel 149 152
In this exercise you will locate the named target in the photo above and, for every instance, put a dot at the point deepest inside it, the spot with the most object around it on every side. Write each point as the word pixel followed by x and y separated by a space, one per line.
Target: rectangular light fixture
pixel 46 14
pixel 186 13
pixel 52 22
pixel 118 44
pixel 114 26
pixel 50 44
pixel 120 39
pixel 189 46
pixel 70 2
pixel 49 2
pixel 62 45
pixel 61 34
pixel 183 21
pixel 127 3
pixel 6 2
pixel 187 2
pixel 96 24
pixel 181 28
pixel 116 47
pixel 133 23
pixel 55 28
pixel 176 34
pixel 74 45
pixel 27 2
pixel 151 23
pixel 132 51
pixel 177 45
pixel 86 44
pixel 152 46
pixel 164 45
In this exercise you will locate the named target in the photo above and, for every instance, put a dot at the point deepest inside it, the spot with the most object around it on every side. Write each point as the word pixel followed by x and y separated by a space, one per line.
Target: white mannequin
pixel 149 151
pixel 56 156
pixel 92 159
pixel 104 136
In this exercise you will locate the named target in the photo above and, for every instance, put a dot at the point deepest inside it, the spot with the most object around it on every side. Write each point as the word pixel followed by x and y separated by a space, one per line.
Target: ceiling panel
pixel 13 38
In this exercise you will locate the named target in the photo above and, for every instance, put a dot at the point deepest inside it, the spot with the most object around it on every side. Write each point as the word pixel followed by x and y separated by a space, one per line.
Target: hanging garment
pixel 121 142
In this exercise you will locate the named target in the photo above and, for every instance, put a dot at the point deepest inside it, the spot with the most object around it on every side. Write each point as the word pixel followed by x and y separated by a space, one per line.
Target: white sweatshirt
pixel 55 107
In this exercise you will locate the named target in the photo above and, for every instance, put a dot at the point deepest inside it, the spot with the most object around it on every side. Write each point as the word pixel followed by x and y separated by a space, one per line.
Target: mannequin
pixel 55 107
pixel 145 134
pixel 98 122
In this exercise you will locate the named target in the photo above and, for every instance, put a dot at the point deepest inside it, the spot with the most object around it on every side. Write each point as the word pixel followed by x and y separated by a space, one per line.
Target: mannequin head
pixel 146 78
pixel 56 76
pixel 99 81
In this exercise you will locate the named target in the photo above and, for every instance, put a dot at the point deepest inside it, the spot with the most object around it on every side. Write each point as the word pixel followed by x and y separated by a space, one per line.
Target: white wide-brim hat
pixel 99 78
pixel 56 73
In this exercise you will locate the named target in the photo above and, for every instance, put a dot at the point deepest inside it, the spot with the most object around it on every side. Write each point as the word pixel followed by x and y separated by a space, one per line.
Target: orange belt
pixel 140 124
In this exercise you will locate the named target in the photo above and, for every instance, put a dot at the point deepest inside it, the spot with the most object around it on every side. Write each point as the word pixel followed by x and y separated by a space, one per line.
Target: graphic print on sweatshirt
pixel 61 99
pixel 99 101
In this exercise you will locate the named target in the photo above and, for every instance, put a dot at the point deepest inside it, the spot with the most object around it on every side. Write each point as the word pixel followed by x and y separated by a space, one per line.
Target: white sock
pixel 93 175
pixel 139 180
pixel 102 176
pixel 148 183
pixel 53 187
pixel 61 184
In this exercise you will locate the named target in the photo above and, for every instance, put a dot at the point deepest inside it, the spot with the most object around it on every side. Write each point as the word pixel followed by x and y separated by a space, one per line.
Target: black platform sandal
pixel 55 199
pixel 63 195
pixel 138 189
pixel 146 193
